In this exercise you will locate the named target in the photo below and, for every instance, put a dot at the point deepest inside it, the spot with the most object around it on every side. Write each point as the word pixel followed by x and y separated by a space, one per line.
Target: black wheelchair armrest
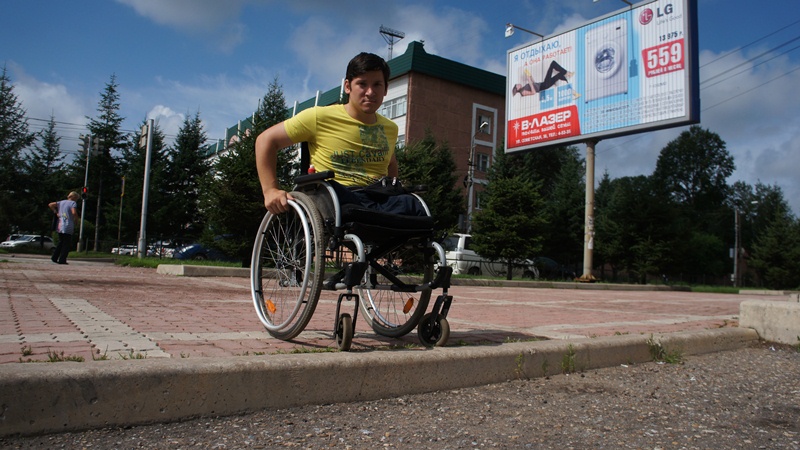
pixel 418 188
pixel 316 176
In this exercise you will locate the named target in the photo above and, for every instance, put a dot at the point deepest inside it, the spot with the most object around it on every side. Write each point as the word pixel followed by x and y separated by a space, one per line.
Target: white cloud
pixel 187 14
pixel 212 20
pixel 42 100
pixel 168 120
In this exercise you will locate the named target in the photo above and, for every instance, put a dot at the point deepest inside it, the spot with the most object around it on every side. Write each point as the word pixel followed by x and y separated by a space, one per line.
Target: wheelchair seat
pixel 373 225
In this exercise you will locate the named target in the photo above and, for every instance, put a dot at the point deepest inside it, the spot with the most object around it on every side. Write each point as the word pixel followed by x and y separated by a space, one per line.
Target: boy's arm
pixel 393 169
pixel 268 144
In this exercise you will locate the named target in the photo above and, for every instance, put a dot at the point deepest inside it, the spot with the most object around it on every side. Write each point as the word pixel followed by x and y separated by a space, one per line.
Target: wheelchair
pixel 386 264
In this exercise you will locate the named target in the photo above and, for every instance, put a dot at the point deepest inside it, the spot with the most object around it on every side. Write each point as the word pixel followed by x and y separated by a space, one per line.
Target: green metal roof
pixel 415 59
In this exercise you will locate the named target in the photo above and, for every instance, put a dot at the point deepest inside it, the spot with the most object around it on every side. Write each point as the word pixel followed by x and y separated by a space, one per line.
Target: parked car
pixel 463 259
pixel 551 270
pixel 162 249
pixel 198 252
pixel 127 249
pixel 28 241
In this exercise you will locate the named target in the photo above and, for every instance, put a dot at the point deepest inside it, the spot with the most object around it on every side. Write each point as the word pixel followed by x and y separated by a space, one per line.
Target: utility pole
pixel 588 241
pixel 85 142
pixel 147 137
pixel 119 224
pixel 96 151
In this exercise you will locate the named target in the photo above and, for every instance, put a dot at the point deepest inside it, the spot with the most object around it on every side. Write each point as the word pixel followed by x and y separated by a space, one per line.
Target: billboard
pixel 633 70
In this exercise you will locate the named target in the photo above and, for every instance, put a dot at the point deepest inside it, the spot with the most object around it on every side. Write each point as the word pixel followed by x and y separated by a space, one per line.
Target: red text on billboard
pixel 664 58
pixel 548 126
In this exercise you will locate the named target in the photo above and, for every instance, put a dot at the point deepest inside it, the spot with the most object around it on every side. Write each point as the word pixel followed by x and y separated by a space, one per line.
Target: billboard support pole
pixel 588 241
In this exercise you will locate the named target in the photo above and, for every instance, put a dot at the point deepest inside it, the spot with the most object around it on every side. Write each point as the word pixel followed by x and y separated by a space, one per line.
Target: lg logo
pixel 647 15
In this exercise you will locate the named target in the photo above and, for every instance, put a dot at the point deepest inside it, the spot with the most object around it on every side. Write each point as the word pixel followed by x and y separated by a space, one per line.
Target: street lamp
pixel 471 175
pixel 510 30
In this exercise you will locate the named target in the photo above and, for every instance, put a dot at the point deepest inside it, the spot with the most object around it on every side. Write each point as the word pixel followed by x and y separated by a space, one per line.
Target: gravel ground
pixel 748 399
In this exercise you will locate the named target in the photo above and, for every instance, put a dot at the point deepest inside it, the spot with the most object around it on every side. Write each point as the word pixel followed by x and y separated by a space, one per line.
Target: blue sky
pixel 176 57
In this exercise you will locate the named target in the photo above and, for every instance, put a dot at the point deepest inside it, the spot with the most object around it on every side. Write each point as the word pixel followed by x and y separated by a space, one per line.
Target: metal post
pixel 588 241
pixel 735 246
pixel 119 224
pixel 83 200
pixel 471 176
pixel 142 247
pixel 470 183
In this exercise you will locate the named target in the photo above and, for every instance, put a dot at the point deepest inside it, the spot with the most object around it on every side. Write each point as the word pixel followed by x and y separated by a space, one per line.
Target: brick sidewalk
pixel 92 309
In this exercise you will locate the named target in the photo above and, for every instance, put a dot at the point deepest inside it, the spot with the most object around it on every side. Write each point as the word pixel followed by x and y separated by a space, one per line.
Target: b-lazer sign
pixel 552 125
pixel 630 71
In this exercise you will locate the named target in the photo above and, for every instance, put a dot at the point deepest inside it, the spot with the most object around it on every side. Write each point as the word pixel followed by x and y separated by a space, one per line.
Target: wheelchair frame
pixel 371 250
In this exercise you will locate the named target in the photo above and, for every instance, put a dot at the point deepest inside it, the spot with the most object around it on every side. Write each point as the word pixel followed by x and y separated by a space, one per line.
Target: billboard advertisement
pixel 631 71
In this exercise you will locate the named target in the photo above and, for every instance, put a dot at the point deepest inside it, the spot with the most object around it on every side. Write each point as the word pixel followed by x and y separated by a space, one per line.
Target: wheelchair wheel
pixel 344 332
pixel 433 331
pixel 287 267
pixel 391 313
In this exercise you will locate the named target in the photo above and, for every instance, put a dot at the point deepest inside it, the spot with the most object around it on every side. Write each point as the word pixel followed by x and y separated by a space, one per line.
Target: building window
pixel 482 163
pixel 394 108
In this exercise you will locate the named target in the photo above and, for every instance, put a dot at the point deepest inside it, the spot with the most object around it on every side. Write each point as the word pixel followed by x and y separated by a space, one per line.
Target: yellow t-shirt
pixel 358 153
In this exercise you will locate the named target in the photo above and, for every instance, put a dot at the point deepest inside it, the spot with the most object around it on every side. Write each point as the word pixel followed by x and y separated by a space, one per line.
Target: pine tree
pixel 232 201
pixel 45 180
pixel 132 167
pixel 14 137
pixel 431 165
pixel 104 177
pixel 186 173
pixel 511 224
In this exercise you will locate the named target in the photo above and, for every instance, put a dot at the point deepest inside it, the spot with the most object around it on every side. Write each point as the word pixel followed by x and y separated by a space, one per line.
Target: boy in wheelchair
pixel 352 140
pixel 388 232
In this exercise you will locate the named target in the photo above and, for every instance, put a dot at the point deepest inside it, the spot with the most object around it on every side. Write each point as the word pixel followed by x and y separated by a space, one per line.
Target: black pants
pixel 62 249
pixel 405 204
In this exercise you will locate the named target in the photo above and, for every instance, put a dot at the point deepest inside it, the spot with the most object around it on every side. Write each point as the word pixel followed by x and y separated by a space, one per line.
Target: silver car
pixel 28 241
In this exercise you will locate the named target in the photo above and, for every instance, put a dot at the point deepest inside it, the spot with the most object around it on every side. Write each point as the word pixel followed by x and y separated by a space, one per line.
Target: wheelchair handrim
pixel 256 274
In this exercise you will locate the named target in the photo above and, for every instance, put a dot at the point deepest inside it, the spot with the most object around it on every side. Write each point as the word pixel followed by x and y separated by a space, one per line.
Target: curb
pixel 61 397
pixel 217 271
pixel 774 321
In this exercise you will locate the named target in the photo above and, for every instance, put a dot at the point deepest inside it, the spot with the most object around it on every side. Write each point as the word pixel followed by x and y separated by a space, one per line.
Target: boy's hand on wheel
pixel 277 201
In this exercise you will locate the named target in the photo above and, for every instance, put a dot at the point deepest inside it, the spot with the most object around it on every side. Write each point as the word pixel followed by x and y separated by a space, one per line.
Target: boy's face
pixel 366 91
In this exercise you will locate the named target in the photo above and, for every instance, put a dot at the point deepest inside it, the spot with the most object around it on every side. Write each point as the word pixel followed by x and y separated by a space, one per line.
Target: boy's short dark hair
pixel 367 62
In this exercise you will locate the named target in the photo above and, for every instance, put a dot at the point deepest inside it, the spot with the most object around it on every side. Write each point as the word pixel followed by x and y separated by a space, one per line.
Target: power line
pixel 751 43
pixel 752 59
pixel 753 89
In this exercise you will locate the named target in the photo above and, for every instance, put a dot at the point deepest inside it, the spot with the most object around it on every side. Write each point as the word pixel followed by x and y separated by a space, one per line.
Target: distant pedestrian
pixel 67 212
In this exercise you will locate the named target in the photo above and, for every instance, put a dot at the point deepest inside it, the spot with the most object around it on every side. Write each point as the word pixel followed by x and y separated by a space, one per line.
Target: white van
pixel 464 260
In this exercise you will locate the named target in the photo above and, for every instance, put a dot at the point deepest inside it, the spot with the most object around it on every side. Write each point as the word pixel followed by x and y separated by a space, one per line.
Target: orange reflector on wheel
pixel 271 307
pixel 409 304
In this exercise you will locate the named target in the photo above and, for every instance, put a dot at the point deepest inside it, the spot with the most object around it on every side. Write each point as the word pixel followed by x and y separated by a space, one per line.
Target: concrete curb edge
pixel 44 398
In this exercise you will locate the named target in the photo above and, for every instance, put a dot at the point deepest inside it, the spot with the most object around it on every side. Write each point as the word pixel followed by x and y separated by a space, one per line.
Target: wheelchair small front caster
pixel 433 331
pixel 344 332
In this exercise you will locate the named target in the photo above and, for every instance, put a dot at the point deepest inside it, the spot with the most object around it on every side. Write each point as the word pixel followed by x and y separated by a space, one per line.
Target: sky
pixel 175 58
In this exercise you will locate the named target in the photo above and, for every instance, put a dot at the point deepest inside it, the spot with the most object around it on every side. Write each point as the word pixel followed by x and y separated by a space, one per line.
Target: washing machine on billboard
pixel 606 60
